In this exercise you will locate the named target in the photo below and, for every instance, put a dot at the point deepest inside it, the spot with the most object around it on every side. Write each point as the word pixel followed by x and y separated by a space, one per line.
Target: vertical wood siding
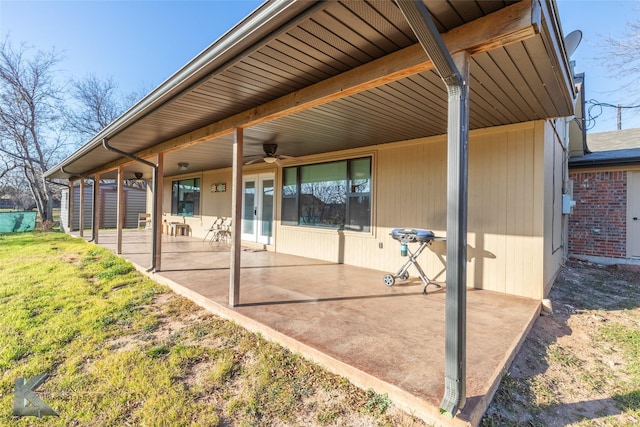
pixel 135 203
pixel 555 224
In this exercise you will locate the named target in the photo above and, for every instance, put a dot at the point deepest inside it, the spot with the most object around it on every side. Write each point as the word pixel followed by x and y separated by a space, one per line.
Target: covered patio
pixel 344 318
pixel 448 116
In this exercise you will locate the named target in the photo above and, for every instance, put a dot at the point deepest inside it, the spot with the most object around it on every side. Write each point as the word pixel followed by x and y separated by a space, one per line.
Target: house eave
pixel 207 133
pixel 266 19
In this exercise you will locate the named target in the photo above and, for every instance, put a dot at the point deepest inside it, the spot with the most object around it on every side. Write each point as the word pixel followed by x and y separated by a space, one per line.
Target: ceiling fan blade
pixel 282 156
pixel 250 162
pixel 278 162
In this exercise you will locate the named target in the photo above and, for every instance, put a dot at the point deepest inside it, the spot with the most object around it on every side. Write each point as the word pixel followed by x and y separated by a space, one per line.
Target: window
pixel 185 197
pixel 333 195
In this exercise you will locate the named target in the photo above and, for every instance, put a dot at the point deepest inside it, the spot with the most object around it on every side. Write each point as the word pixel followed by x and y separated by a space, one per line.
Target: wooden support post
pixel 236 213
pixel 119 209
pixel 81 213
pixel 156 214
pixel 96 209
pixel 72 183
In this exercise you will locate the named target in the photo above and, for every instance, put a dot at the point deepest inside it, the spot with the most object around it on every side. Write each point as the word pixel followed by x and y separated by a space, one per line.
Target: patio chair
pixel 215 227
pixel 144 220
pixel 223 232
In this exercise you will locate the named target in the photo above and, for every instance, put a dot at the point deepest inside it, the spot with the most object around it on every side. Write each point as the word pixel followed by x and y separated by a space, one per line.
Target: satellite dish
pixel 572 41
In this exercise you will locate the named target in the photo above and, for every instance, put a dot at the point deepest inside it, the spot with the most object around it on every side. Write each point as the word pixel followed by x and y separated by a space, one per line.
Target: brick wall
pixel 598 226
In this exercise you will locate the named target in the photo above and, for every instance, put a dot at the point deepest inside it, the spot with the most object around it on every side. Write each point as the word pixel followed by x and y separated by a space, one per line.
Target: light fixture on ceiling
pixel 269 159
pixel 183 166
pixel 138 175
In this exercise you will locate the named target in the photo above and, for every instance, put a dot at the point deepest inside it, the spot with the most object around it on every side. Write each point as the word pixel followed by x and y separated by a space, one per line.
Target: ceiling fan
pixel 270 155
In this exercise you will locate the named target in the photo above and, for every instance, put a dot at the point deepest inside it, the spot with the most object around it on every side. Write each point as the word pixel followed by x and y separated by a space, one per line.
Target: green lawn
pixel 122 350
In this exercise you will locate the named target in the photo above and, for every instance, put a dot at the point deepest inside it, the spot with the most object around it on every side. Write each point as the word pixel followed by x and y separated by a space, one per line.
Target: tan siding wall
pixel 325 244
pixel 506 210
pixel 505 240
pixel 213 204
pixel 555 224
pixel 411 183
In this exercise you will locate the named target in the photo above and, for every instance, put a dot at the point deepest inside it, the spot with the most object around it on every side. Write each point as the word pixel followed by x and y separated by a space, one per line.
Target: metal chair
pixel 215 227
pixel 224 234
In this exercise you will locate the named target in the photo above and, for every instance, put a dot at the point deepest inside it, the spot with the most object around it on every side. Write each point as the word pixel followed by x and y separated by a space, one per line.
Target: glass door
pixel 249 209
pixel 266 208
pixel 258 208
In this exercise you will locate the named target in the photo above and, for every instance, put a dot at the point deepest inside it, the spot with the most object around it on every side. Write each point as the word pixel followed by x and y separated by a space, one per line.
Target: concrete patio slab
pixel 390 339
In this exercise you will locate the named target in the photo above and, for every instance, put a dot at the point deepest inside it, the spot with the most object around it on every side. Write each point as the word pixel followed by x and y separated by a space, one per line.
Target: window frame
pixel 175 196
pixel 348 195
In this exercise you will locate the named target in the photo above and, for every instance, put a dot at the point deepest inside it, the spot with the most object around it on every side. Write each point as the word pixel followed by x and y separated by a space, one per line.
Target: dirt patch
pixel 568 372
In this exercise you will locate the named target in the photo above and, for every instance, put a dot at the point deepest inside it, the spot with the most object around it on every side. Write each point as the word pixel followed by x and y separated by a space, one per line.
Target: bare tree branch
pixel 623 57
pixel 97 105
pixel 29 117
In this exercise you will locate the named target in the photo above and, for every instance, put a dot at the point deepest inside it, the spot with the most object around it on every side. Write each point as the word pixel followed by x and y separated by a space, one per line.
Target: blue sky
pixel 139 43
pixel 142 43
pixel 596 19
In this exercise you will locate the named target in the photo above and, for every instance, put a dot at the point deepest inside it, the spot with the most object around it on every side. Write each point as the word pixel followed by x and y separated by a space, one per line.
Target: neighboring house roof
pixel 629 156
pixel 614 140
pixel 614 148
pixel 317 77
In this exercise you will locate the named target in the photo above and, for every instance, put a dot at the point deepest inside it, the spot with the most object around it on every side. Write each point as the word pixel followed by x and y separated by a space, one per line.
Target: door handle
pixel 635 218
pixel 255 211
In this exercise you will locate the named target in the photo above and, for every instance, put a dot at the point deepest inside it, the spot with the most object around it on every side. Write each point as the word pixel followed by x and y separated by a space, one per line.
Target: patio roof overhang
pixel 317 77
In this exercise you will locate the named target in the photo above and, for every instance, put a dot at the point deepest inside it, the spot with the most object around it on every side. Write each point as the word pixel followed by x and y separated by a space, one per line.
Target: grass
pixel 122 350
pixel 628 340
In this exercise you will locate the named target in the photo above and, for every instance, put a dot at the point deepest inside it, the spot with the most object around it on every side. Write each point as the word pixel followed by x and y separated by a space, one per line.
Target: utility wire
pixel 595 110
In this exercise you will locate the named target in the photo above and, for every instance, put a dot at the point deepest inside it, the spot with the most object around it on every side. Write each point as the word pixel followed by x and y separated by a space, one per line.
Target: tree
pixel 30 136
pixel 98 103
pixel 14 188
pixel 623 55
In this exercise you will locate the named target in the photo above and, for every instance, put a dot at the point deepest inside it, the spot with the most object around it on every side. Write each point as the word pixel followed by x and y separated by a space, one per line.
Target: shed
pixel 135 202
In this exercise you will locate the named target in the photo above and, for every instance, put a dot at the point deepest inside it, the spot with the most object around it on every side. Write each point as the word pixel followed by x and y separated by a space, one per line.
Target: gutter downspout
pixel 94 202
pixel 154 223
pixel 456 78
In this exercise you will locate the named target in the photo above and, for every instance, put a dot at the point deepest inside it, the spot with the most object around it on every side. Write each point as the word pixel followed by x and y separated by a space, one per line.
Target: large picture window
pixel 185 197
pixel 333 195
